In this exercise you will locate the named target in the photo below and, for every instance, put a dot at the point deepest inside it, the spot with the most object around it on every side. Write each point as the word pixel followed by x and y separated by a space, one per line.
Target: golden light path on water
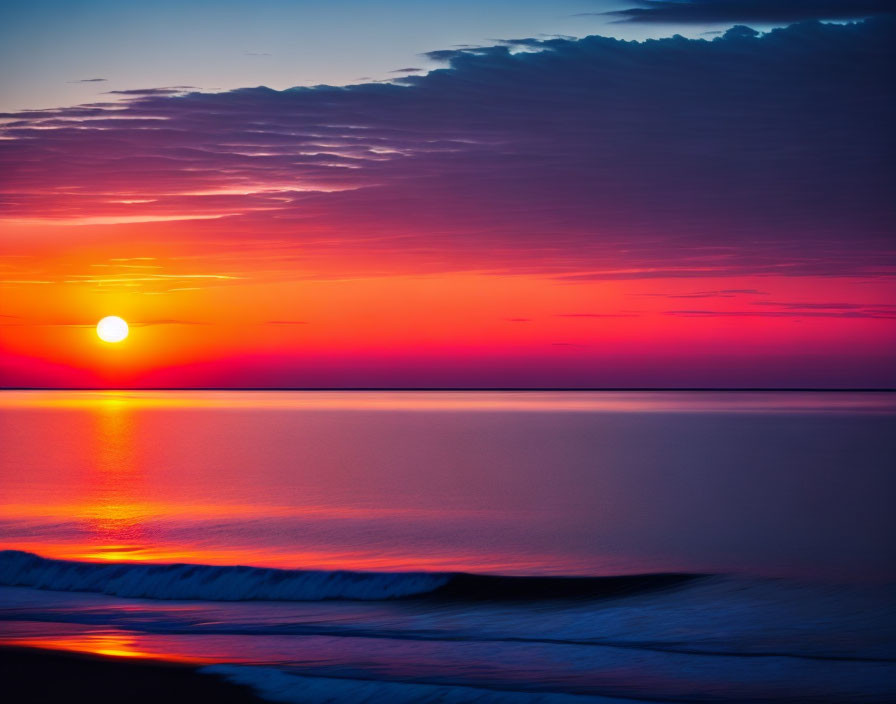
pixel 114 643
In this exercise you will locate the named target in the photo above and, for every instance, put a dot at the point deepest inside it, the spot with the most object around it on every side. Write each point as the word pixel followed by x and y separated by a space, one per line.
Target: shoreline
pixel 43 675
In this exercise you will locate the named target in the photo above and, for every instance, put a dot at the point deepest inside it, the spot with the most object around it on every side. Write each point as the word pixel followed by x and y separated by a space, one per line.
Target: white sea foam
pixel 279 686
pixel 209 582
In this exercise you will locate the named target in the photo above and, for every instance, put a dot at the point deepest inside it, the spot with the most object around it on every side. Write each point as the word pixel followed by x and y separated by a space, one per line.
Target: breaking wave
pixel 241 583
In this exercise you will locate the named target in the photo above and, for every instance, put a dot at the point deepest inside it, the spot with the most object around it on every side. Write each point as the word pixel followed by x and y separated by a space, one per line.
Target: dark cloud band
pixel 751 11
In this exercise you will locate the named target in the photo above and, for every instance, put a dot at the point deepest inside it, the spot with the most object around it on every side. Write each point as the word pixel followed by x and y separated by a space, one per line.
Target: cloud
pixel 596 315
pixel 582 160
pixel 805 305
pixel 92 324
pixel 407 70
pixel 163 321
pixel 756 11
pixel 879 311
pixel 460 51
pixel 148 92
pixel 90 80
pixel 720 293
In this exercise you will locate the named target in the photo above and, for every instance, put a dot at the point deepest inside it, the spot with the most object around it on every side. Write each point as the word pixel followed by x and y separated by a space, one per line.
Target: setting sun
pixel 112 329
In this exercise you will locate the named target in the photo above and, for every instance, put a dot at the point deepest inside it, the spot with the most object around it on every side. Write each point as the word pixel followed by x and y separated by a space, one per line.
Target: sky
pixel 434 194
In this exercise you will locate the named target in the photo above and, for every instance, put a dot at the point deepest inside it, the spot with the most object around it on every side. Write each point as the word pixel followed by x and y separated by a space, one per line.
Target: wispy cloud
pixel 799 310
pixel 147 92
pixel 596 315
pixel 114 219
pixel 92 324
pixel 164 321
pixel 756 11
pixel 719 293
pixel 583 160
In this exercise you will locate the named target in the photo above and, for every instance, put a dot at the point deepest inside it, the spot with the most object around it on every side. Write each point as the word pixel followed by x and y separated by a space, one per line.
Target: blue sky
pixel 50 48
pixel 53 44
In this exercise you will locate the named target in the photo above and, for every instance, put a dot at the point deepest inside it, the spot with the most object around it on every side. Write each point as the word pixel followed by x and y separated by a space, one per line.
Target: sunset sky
pixel 448 194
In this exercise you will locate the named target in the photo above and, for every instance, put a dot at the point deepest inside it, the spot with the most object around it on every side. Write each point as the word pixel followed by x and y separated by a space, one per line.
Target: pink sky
pixel 544 212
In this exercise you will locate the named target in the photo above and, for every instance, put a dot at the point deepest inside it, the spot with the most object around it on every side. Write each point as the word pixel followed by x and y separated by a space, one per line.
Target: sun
pixel 112 329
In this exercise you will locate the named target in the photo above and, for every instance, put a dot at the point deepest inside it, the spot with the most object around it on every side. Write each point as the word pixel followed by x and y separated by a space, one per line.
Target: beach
pixel 45 676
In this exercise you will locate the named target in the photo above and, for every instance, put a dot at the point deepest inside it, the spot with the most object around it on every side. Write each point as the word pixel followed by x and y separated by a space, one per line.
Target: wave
pixel 281 686
pixel 242 583
pixel 143 623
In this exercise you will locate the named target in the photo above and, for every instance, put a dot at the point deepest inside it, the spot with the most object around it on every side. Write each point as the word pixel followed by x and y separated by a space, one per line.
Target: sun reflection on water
pixel 114 515
pixel 109 643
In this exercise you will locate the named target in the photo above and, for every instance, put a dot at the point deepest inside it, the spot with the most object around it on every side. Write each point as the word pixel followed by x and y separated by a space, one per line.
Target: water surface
pixel 354 512
pixel 513 483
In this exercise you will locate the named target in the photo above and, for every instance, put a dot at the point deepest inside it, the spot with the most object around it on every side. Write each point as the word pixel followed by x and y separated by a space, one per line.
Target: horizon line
pixel 453 388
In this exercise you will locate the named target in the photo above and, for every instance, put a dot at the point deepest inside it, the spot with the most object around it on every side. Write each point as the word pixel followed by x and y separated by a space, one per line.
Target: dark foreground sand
pixel 31 675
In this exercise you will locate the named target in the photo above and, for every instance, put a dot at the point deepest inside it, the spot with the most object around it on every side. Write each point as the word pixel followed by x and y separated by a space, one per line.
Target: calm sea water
pixel 352 512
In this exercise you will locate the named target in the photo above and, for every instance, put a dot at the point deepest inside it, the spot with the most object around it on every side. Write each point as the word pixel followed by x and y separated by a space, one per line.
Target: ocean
pixel 461 546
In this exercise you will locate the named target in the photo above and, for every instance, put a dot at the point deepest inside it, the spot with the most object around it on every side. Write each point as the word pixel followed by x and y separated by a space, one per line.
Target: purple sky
pixel 715 198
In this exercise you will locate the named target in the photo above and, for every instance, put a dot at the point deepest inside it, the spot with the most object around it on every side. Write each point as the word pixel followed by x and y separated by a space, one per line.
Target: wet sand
pixel 34 675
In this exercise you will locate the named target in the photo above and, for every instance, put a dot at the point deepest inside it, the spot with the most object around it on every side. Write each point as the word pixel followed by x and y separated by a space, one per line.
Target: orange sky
pixel 584 213
pixel 232 321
